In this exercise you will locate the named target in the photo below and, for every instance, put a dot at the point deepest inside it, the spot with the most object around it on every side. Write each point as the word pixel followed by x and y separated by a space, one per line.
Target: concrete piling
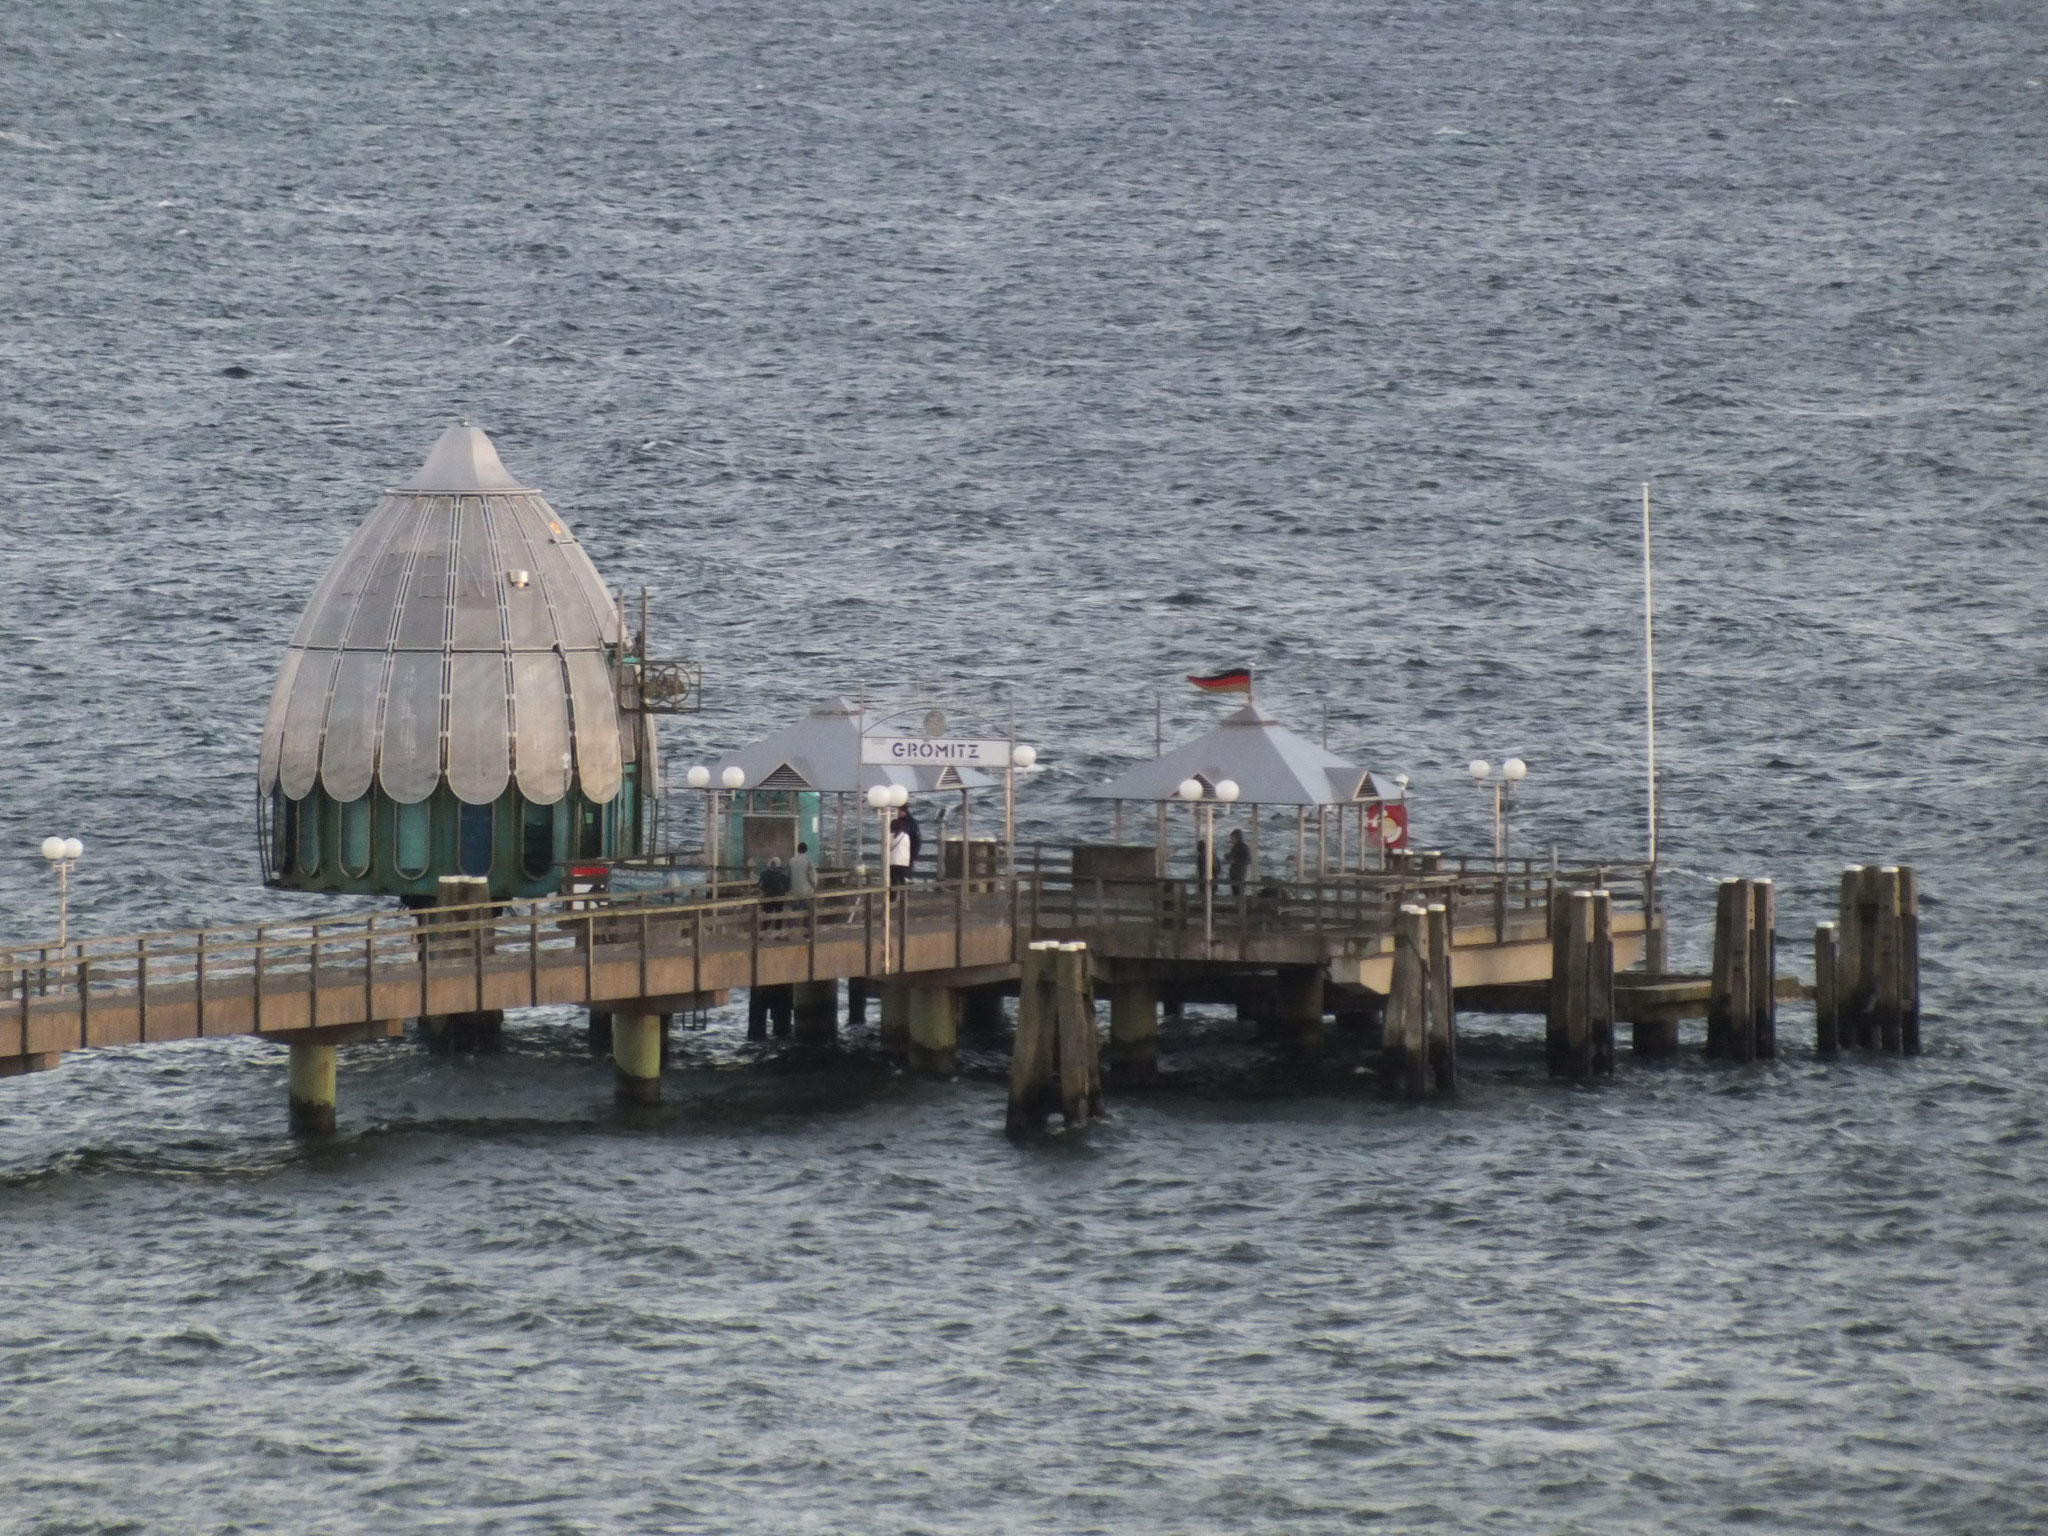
pixel 636 1057
pixel 814 1006
pixel 934 1030
pixel 1134 1028
pixel 895 1025
pixel 311 1077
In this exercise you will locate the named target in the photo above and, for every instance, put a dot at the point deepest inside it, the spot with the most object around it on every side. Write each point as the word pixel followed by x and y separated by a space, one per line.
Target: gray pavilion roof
pixel 418 658
pixel 1271 764
pixel 822 752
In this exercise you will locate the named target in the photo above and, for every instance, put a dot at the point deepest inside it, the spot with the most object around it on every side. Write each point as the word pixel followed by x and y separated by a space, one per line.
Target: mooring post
pixel 1909 961
pixel 636 1057
pixel 1763 968
pixel 1600 983
pixel 1890 1016
pixel 1556 1039
pixel 1827 1018
pixel 1741 993
pixel 1404 1059
pixel 1656 942
pixel 1079 1044
pixel 1578 998
pixel 1443 1008
pixel 1862 1002
pixel 1031 1056
pixel 311 1076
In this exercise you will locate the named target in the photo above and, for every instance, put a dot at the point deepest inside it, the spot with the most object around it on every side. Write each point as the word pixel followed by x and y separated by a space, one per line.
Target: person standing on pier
pixel 803 877
pixel 1238 856
pixel 902 848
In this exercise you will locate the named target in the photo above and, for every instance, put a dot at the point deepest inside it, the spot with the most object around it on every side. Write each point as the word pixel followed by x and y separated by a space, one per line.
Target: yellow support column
pixel 312 1089
pixel 934 1029
pixel 636 1054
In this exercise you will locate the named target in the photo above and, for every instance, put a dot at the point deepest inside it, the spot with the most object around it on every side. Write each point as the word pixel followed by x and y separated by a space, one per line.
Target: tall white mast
pixel 1650 671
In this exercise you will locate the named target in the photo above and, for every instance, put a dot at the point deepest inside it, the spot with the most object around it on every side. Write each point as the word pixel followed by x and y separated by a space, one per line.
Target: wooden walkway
pixel 361 976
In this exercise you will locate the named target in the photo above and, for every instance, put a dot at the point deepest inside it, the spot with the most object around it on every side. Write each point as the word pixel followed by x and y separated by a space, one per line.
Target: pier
pixel 1288 952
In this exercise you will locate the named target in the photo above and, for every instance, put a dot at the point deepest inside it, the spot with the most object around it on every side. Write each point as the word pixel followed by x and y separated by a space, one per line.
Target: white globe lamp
pixel 1514 769
pixel 1479 768
pixel 1023 756
pixel 699 777
pixel 878 797
pixel 1227 790
pixel 733 777
pixel 1190 789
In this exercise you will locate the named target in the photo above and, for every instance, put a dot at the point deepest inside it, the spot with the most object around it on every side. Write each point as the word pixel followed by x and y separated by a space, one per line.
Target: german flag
pixel 1236 680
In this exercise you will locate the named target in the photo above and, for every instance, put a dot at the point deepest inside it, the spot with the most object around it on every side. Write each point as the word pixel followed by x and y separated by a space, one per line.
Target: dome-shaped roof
pixel 461 633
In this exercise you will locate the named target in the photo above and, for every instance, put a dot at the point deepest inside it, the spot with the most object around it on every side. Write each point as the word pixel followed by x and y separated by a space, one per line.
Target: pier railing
pixel 318 974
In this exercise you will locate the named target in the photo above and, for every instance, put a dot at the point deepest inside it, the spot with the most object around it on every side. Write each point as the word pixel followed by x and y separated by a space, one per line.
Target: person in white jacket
pixel 899 851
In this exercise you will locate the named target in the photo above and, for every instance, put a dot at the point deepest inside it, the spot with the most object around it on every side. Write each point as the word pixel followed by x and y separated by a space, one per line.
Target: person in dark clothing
pixel 774 884
pixel 1238 857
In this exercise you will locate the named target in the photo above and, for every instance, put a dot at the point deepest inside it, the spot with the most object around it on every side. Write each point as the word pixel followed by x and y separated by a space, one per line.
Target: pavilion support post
pixel 311 1079
pixel 856 1001
pixel 636 1057
pixel 815 1005
pixel 597 1030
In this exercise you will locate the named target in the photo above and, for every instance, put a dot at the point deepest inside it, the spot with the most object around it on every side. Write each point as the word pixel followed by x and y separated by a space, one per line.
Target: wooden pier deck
pixel 361 976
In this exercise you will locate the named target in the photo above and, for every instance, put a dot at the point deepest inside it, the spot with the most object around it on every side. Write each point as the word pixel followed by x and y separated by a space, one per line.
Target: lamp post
pixel 1512 772
pixel 699 777
pixel 63 852
pixel 886 798
pixel 1021 756
pixel 733 778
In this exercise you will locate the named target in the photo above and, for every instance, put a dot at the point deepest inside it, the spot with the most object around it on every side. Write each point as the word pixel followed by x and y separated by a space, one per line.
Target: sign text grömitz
pixel 911 751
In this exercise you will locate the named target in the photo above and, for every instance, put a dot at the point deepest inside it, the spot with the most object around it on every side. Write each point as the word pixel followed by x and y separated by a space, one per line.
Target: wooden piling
pixel 1600 984
pixel 1885 974
pixel 1404 1058
pixel 1909 961
pixel 1827 1016
pixel 1443 1011
pixel 1080 1042
pixel 1763 969
pixel 1056 1061
pixel 1577 988
pixel 1731 1033
pixel 1556 1038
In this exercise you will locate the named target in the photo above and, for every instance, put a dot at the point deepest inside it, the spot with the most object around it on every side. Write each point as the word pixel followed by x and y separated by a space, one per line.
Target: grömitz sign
pixel 934 751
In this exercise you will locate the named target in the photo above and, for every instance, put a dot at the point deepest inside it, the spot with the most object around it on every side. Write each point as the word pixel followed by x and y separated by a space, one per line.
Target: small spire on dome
pixel 463 459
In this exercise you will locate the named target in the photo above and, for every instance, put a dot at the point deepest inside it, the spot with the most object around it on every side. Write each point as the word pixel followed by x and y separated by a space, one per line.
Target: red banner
pixel 1386 825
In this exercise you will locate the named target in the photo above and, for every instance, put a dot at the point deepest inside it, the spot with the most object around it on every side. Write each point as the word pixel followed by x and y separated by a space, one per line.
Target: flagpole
pixel 1650 673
